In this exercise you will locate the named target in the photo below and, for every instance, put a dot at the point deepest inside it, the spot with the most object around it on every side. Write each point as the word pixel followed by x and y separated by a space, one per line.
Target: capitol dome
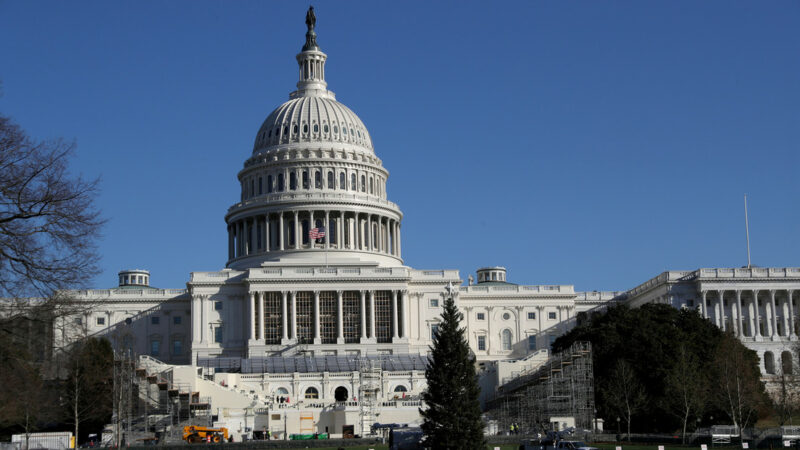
pixel 313 191
pixel 312 117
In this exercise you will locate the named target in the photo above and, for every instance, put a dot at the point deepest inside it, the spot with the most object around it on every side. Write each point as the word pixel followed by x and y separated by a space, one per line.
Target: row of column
pixel 399 307
pixel 713 305
pixel 284 231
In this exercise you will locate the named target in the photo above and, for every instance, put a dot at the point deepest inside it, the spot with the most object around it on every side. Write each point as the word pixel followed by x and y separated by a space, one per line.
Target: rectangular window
pixel 155 320
pixel 177 347
pixel 531 342
pixel 482 343
pixel 154 347
pixel 101 321
pixel 218 334
pixel 434 329
pixel 434 302
pixel 383 316
pixel 551 316
pixel 481 316
pixel 77 321
pixel 218 306
pixel 176 320
pixel 531 315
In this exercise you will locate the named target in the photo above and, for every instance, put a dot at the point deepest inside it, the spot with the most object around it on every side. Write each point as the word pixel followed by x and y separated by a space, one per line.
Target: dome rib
pixel 311 110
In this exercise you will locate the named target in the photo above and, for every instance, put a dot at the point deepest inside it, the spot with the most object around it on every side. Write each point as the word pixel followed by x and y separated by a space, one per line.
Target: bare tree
pixel 625 393
pixel 89 382
pixel 737 388
pixel 687 387
pixel 48 222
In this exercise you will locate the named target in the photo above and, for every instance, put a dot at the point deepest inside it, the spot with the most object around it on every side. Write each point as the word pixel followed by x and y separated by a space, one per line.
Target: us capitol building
pixel 315 324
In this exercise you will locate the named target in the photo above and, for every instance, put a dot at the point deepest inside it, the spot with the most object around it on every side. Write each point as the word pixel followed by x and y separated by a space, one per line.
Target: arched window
pixel 353 184
pixel 318 180
pixel 281 391
pixel 311 392
pixel 292 181
pixel 363 183
pixel 342 181
pixel 280 182
pixel 260 185
pixel 370 186
pixel 769 363
pixel 269 184
pixel 340 394
pixel 506 339
pixel 786 362
pixel 330 181
pixel 304 231
pixel 306 181
pixel 400 388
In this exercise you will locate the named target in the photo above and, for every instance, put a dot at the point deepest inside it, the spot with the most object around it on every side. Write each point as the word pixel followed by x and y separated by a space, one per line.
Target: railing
pixel 564 289
pixel 335 271
pixel 313 195
pixel 753 272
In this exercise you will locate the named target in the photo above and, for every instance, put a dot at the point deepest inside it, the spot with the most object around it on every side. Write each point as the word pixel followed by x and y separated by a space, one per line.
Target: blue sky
pixel 586 143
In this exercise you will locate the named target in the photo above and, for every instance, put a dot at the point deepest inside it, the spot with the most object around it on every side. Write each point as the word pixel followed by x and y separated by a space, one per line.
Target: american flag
pixel 316 233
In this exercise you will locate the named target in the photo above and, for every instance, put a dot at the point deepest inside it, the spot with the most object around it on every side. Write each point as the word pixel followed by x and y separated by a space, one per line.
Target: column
pixel 261 326
pixel 246 226
pixel 252 316
pixel 284 318
pixel 400 247
pixel 280 231
pixel 294 315
pixel 705 307
pixel 717 308
pixel 265 240
pixel 372 315
pixel 789 293
pixel 774 333
pixel 739 312
pixel 339 317
pixel 317 337
pixel 328 231
pixel 363 316
pixel 310 226
pixel 758 314
pixel 297 238
pixel 203 319
pixel 404 309
pixel 340 230
pixel 395 335
pixel 785 316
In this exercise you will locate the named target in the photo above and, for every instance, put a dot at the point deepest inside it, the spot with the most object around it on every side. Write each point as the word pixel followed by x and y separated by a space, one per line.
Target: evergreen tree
pixel 452 418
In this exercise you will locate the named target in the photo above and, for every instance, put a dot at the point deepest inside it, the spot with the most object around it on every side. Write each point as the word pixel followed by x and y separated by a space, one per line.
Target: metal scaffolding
pixel 370 377
pixel 561 387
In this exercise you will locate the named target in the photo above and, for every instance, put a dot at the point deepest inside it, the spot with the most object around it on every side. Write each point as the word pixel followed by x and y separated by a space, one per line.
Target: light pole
pixel 619 431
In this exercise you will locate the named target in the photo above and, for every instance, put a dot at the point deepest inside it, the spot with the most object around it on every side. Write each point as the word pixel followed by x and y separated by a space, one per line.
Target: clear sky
pixel 593 143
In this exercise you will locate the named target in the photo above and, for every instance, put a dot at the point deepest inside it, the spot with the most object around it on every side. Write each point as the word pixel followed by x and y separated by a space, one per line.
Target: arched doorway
pixel 340 394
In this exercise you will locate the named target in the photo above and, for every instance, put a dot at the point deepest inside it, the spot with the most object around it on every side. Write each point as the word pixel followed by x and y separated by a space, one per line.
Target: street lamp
pixel 619 431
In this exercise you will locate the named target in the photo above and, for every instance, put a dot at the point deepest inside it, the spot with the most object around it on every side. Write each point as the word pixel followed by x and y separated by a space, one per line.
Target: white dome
pixel 307 119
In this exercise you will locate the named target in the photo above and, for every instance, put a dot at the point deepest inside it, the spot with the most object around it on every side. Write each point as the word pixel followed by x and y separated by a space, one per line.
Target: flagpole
pixel 747 230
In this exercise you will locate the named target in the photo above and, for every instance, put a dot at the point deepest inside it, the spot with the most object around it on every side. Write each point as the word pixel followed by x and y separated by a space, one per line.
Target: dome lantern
pixel 312 63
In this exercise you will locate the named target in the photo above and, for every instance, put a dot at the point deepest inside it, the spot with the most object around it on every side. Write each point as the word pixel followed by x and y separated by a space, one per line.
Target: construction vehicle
pixel 194 434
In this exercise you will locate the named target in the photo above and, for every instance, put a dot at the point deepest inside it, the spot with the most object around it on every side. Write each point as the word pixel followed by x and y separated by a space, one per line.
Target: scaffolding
pixel 561 387
pixel 370 375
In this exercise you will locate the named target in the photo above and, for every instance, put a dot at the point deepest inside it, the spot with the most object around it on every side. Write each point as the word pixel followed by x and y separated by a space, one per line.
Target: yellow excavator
pixel 195 435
